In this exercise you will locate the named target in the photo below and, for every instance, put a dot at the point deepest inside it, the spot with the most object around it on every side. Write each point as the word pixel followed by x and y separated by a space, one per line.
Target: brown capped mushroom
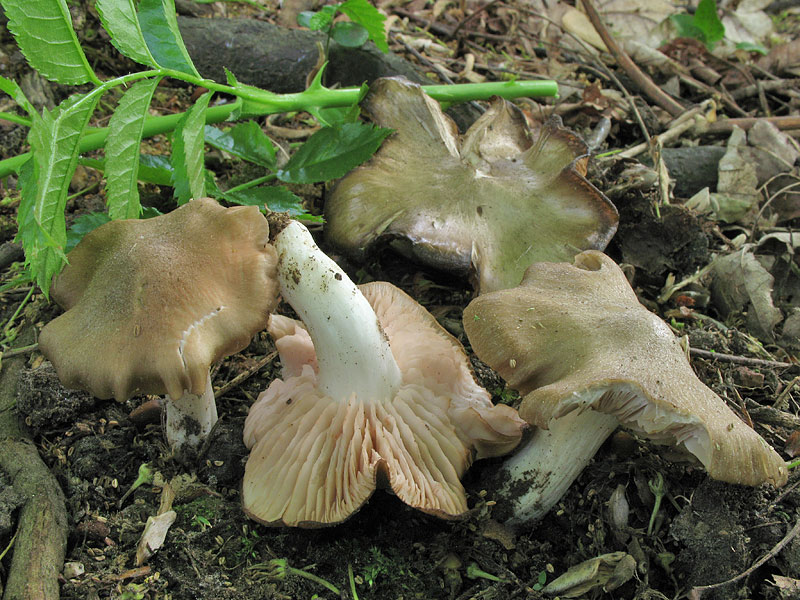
pixel 151 304
pixel 486 204
pixel 373 389
pixel 574 339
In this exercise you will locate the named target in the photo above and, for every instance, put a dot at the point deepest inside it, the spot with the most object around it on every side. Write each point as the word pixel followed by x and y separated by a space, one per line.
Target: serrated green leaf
pixel 121 22
pixel 12 89
pixel 332 151
pixel 350 34
pixel 322 19
pixel 188 152
pixel 83 225
pixel 276 197
pixel 43 31
pixel 54 138
pixel 245 140
pixel 159 24
pixel 363 13
pixel 122 150
pixel 707 20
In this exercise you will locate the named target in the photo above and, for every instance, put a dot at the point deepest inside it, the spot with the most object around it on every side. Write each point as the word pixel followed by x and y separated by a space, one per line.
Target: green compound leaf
pixel 332 151
pixel 245 140
pixel 83 225
pixel 349 34
pixel 12 89
pixel 122 150
pixel 121 22
pixel 54 138
pixel 322 19
pixel 159 25
pixel 366 15
pixel 188 152
pixel 44 34
pixel 707 20
pixel 276 197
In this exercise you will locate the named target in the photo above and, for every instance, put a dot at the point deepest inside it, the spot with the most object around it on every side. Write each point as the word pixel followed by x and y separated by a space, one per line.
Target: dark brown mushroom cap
pixel 151 304
pixel 493 201
pixel 575 337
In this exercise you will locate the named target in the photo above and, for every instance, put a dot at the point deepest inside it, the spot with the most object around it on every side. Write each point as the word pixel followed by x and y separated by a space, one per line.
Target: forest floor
pixel 704 533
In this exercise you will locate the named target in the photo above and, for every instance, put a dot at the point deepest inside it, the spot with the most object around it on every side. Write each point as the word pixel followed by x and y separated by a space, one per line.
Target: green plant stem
pixel 475 572
pixel 659 489
pixel 252 183
pixel 352 579
pixel 262 102
pixel 15 119
pixel 314 578
pixel 8 336
pixel 793 464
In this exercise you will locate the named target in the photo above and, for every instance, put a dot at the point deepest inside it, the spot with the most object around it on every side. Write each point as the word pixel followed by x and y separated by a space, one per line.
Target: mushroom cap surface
pixel 575 337
pixel 152 303
pixel 315 460
pixel 486 204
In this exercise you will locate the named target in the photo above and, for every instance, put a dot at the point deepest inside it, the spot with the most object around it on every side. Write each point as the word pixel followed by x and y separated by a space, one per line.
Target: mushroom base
pixel 190 418
pixel 544 467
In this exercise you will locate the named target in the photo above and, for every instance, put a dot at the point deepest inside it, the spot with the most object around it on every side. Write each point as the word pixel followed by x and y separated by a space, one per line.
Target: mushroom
pixel 587 356
pixel 485 204
pixel 151 304
pixel 373 389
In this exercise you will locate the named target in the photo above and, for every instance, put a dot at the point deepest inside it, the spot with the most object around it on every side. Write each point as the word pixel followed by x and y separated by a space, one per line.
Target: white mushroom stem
pixel 353 353
pixel 190 418
pixel 547 464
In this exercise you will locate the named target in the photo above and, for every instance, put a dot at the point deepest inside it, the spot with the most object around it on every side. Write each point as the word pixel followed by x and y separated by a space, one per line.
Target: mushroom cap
pixel 575 337
pixel 315 460
pixel 488 203
pixel 151 304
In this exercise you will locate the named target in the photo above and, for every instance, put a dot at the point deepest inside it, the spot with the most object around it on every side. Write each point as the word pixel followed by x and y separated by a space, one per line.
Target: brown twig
pixel 785 85
pixel 466 20
pixel 726 125
pixel 698 590
pixel 740 360
pixel 242 377
pixel 655 93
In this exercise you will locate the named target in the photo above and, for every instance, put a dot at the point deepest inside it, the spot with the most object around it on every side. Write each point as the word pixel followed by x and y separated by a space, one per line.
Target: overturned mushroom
pixel 373 389
pixel 589 356
pixel 488 203
pixel 151 304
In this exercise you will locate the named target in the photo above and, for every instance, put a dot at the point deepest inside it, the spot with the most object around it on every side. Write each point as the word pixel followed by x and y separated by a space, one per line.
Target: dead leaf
pixel 742 285
pixel 792 447
pixel 155 532
pixel 737 195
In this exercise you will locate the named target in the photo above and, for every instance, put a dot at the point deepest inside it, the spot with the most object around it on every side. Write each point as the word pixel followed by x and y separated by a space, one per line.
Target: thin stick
pixel 655 93
pixel 740 360
pixel 696 591
pixel 726 125
pixel 242 377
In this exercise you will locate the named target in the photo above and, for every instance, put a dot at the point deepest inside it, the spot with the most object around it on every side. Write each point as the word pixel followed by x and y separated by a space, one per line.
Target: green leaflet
pixel 363 13
pixel 122 150
pixel 188 152
pixel 159 24
pixel 333 151
pixel 276 197
pixel 54 139
pixel 12 89
pixel 245 140
pixel 43 31
pixel 120 20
